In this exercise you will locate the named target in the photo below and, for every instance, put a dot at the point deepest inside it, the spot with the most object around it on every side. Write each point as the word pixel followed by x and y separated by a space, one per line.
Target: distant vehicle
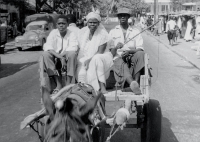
pixel 3 38
pixel 37 30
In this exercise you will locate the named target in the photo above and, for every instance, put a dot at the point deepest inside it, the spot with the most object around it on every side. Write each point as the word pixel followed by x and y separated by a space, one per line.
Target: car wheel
pixel 2 50
pixel 19 48
pixel 151 130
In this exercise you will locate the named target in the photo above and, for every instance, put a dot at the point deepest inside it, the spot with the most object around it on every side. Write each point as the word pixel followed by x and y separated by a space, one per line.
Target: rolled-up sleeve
pixel 111 43
pixel 49 42
pixel 139 42
pixel 73 43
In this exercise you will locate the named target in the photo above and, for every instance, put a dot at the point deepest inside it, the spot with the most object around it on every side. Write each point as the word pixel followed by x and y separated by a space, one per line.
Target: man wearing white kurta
pixel 94 58
pixel 61 44
pixel 129 56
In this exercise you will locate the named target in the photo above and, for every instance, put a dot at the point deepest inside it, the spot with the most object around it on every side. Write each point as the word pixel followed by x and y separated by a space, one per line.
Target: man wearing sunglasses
pixel 60 48
pixel 128 57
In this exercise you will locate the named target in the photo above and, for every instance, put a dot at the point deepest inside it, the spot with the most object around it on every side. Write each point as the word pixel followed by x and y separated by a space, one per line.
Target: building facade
pixel 166 6
pixel 192 6
pixel 163 6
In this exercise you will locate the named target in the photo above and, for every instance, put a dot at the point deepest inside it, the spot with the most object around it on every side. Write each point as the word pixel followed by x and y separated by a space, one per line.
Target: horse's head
pixel 66 120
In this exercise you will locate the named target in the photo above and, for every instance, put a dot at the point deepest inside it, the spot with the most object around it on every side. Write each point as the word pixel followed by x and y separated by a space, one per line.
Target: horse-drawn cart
pixel 143 113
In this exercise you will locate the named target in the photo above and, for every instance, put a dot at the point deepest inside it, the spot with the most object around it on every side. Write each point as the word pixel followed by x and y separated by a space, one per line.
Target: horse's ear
pixel 48 103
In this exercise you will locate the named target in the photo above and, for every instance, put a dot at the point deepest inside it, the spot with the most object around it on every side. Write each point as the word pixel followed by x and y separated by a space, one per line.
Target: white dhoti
pixel 99 69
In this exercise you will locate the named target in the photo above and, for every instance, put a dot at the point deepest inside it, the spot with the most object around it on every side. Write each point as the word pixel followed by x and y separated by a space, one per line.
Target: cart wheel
pixel 151 131
pixel 2 49
pixel 41 128
pixel 99 133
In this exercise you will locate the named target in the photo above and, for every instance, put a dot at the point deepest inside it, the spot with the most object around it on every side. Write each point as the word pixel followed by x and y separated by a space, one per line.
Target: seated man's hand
pixel 119 45
pixel 86 64
pixel 125 53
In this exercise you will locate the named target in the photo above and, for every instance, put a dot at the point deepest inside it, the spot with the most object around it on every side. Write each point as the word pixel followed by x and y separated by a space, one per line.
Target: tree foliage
pixel 22 4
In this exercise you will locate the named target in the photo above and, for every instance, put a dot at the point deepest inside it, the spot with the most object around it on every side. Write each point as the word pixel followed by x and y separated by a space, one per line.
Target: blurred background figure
pixel 130 22
pixel 142 22
pixel 188 36
pixel 80 23
pixel 197 33
pixel 71 19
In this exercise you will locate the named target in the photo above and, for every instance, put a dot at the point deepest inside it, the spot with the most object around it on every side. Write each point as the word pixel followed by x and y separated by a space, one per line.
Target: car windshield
pixel 34 27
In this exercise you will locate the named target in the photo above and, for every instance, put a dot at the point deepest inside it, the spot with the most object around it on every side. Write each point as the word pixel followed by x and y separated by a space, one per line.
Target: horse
pixel 68 119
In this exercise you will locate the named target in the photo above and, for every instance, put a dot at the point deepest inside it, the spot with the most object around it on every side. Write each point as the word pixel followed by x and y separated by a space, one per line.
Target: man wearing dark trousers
pixel 61 45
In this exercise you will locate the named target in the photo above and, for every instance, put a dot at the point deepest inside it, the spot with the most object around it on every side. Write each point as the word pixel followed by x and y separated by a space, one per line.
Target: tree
pixel 176 5
pixel 24 7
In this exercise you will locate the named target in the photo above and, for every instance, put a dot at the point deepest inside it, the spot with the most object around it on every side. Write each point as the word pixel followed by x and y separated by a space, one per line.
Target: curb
pixel 180 55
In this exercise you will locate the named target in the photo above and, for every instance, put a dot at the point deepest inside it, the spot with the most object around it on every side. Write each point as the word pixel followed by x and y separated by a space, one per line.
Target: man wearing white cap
pixel 94 58
pixel 128 57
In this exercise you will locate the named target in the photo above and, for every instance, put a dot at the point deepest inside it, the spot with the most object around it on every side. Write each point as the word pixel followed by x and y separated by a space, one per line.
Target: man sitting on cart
pixel 128 53
pixel 60 47
pixel 94 58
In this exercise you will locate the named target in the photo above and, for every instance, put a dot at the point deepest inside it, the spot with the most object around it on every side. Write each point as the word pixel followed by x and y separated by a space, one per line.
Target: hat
pixel 123 11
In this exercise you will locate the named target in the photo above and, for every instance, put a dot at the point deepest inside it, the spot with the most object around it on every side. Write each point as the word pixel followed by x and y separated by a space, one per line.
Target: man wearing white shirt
pixel 170 30
pixel 61 44
pixel 127 50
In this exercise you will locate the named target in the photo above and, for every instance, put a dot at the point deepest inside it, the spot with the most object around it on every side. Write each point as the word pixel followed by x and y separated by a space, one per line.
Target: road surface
pixel 175 84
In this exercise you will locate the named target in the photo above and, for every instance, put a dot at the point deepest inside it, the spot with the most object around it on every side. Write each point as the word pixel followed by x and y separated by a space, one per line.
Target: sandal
pixel 55 91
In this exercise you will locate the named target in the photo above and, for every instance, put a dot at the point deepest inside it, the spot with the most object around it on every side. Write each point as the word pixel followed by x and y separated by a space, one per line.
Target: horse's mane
pixel 68 122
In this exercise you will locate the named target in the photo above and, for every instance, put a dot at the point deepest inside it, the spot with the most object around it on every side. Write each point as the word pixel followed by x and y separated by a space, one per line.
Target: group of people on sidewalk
pixel 183 26
pixel 90 53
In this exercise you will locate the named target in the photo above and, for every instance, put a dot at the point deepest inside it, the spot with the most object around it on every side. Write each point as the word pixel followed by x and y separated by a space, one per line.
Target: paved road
pixel 175 85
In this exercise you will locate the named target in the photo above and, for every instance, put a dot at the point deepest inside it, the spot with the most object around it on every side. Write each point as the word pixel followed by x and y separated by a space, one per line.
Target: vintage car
pixel 38 28
pixel 35 35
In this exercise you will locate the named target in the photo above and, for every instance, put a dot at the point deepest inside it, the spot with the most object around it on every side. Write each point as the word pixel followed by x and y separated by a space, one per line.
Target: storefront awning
pixel 4 14
pixel 189 4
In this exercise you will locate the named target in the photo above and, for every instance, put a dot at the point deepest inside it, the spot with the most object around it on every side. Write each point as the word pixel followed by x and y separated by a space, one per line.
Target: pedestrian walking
pixel 14 29
pixel 197 33
pixel 188 36
pixel 171 30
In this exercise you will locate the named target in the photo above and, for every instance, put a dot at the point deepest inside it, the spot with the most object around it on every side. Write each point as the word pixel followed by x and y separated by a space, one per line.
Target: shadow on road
pixel 186 67
pixel 10 69
pixel 196 78
pixel 167 133
pixel 11 50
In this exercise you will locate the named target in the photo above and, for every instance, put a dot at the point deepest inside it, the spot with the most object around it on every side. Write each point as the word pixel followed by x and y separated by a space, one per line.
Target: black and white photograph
pixel 99 70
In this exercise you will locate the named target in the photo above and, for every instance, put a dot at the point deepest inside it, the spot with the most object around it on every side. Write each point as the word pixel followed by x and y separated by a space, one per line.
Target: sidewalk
pixel 181 48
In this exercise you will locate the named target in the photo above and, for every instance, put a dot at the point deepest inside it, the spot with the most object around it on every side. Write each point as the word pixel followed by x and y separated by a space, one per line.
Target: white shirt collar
pixel 72 24
pixel 129 28
pixel 58 33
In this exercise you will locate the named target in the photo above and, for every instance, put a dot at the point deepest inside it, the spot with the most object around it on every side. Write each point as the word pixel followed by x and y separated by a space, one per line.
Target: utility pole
pixel 155 16
pixel 155 10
